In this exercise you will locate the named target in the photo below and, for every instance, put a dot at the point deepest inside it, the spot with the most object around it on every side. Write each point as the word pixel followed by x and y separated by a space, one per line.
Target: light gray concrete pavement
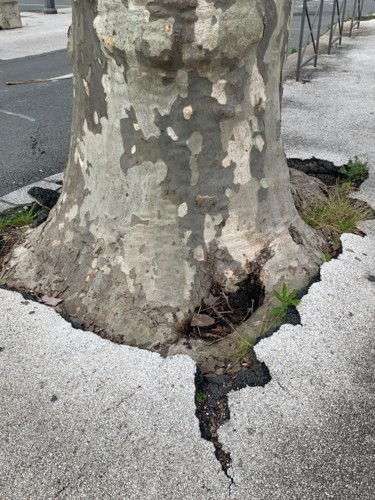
pixel 20 197
pixel 40 33
pixel 309 434
pixel 83 418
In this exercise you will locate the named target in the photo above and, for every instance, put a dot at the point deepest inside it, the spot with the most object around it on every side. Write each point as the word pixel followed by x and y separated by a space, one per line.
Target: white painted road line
pixel 18 114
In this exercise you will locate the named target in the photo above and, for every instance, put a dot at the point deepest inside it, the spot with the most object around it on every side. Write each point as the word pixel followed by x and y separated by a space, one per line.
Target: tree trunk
pixel 177 186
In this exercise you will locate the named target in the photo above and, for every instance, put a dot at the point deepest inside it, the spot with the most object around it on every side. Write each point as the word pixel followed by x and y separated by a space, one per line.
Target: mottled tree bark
pixel 177 182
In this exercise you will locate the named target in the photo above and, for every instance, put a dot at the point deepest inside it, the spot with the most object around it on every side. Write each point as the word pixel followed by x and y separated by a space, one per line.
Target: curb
pixel 19 198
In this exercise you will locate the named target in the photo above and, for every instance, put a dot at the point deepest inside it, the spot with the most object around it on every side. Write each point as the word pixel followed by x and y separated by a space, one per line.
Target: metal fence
pixel 311 27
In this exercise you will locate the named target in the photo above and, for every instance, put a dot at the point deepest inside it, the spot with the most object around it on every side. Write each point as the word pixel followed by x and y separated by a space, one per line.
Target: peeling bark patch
pixel 208 204
pixel 183 12
pixel 267 9
pixel 223 112
pixel 137 220
pixel 223 4
pixel 207 194
pixel 257 157
pixel 193 155
pixel 262 194
pixel 182 210
pixel 88 72
pixel 296 237
pixel 121 60
pixel 187 112
pixel 234 88
pixel 137 148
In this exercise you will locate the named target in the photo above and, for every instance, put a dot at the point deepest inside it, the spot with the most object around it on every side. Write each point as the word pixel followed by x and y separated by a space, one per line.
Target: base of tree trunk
pixel 177 191
pixel 212 333
pixel 218 330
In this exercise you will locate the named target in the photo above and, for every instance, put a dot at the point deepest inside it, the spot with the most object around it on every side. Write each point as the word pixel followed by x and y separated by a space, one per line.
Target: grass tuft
pixel 244 347
pixel 19 218
pixel 338 213
pixel 355 172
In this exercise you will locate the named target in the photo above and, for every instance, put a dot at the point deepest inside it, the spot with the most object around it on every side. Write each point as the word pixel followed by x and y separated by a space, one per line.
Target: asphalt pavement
pixel 35 118
pixel 39 5
pixel 82 417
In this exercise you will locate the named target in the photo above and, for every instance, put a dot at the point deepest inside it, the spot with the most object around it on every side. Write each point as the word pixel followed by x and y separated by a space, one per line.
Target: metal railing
pixel 313 36
pixel 357 14
pixel 338 18
pixel 311 29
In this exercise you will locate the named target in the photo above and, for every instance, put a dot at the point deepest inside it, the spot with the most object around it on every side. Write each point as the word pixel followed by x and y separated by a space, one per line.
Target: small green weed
pixel 327 257
pixel 19 218
pixel 293 50
pixel 355 172
pixel 338 213
pixel 286 300
pixel 244 346
pixel 200 397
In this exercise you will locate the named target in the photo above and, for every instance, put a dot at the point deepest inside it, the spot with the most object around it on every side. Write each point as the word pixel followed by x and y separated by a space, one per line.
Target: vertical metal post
pixel 49 7
pixel 318 33
pixel 335 7
pixel 341 23
pixel 356 17
pixel 300 48
pixel 353 15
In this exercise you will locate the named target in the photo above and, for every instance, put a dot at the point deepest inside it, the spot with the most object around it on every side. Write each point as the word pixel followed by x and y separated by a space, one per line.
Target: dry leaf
pixel 202 320
pixel 51 301
pixel 211 301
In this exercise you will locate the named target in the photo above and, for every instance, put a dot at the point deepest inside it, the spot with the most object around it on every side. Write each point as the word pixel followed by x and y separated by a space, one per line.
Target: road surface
pixel 38 5
pixel 34 138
